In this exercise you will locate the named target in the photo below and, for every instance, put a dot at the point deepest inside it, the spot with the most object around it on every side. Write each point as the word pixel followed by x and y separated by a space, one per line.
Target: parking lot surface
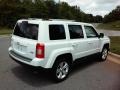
pixel 90 75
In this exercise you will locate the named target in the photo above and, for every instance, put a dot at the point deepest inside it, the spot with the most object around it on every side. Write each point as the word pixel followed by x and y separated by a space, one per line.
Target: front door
pixel 92 39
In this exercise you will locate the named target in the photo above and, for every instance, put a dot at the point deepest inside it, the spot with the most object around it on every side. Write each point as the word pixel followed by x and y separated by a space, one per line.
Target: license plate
pixel 21 47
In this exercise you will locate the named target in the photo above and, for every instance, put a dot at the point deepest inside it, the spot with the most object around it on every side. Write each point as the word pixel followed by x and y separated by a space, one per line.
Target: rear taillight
pixel 40 50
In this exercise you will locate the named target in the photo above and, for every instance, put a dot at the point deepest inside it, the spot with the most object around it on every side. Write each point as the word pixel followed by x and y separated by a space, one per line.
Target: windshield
pixel 26 30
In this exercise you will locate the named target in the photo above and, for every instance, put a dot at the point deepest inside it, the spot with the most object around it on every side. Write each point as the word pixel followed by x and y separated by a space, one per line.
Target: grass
pixel 115 44
pixel 5 31
pixel 110 26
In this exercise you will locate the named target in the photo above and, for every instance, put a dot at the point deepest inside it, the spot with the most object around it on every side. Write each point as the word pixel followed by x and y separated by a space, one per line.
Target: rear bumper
pixel 32 62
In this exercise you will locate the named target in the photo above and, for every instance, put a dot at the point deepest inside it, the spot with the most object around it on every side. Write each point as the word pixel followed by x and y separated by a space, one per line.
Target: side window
pixel 90 32
pixel 75 31
pixel 56 32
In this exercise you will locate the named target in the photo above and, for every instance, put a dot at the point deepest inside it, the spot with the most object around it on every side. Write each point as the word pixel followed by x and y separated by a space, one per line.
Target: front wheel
pixel 61 70
pixel 104 54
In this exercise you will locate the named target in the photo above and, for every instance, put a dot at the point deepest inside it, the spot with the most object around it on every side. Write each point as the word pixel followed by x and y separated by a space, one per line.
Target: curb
pixel 4 36
pixel 114 55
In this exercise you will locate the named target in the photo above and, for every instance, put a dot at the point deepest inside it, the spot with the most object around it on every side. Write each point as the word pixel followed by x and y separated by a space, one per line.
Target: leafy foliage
pixel 114 15
pixel 12 10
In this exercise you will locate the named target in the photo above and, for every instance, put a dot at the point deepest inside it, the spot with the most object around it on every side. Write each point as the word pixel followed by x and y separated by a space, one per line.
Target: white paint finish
pixel 53 48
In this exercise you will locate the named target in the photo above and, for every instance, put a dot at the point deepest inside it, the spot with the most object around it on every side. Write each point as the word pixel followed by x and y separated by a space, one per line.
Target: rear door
pixel 77 41
pixel 24 39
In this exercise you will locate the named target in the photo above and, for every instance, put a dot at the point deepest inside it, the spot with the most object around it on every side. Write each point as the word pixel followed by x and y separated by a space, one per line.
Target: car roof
pixel 57 21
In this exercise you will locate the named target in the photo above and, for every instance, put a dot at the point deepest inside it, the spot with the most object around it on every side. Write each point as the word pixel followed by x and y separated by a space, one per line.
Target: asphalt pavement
pixel 109 32
pixel 89 75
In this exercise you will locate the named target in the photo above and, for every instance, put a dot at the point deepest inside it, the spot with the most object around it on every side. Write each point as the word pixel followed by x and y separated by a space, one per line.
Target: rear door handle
pixel 74 45
pixel 89 42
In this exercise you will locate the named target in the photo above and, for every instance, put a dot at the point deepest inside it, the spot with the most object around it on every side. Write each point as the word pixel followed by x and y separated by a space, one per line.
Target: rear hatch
pixel 24 39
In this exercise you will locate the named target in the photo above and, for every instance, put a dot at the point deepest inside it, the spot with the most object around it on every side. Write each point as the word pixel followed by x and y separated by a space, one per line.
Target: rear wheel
pixel 61 69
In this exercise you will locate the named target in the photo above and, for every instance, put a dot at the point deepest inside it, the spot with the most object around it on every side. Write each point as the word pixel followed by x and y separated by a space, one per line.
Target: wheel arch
pixel 68 57
pixel 107 45
pixel 58 54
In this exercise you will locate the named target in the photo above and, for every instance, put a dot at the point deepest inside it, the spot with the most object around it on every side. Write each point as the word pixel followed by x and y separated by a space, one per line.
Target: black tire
pixel 104 54
pixel 56 68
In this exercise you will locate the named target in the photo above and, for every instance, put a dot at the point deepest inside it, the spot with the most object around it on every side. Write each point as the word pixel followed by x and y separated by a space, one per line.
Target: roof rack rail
pixel 61 20
pixel 35 18
pixel 50 19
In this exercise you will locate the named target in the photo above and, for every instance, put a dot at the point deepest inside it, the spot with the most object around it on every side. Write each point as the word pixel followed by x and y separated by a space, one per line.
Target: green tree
pixel 113 15
pixel 98 19
pixel 12 10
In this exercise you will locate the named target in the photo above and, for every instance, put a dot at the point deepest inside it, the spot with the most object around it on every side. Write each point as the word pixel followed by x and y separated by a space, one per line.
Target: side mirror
pixel 101 35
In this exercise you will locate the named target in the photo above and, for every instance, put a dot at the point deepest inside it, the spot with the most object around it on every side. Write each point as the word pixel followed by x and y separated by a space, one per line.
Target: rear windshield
pixel 26 30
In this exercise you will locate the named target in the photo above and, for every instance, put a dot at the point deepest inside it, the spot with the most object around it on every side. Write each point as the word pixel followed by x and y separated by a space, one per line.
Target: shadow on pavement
pixel 32 77
pixel 42 78
pixel 83 63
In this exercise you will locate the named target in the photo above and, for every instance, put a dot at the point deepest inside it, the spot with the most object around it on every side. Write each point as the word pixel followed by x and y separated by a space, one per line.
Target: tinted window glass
pixel 26 30
pixel 90 32
pixel 75 31
pixel 56 32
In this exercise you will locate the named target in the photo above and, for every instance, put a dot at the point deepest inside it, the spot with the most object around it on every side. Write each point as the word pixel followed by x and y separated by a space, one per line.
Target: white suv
pixel 55 44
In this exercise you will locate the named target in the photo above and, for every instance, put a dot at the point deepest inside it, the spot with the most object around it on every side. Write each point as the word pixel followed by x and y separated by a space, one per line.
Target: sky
pixel 95 7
